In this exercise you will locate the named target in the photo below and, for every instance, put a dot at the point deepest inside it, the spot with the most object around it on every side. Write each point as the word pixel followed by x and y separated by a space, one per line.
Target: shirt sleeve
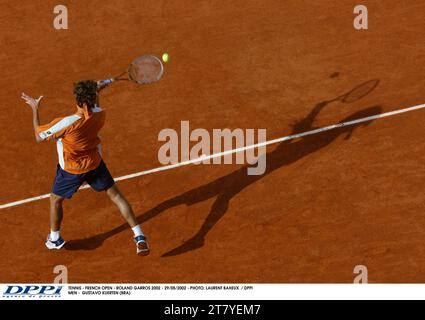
pixel 56 128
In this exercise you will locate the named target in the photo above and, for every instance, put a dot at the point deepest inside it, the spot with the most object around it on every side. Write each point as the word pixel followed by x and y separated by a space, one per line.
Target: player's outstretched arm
pixel 102 84
pixel 34 104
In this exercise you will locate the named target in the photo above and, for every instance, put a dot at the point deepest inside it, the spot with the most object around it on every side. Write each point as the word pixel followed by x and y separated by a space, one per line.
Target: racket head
pixel 145 69
pixel 360 91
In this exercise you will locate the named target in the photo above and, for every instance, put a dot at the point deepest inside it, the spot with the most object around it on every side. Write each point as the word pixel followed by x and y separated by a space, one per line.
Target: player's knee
pixel 55 199
pixel 112 191
pixel 115 195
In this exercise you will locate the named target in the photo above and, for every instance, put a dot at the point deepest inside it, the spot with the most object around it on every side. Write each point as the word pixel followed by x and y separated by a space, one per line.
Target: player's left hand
pixel 33 103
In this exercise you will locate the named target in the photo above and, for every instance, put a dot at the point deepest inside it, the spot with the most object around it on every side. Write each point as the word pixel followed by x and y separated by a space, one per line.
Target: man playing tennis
pixel 80 159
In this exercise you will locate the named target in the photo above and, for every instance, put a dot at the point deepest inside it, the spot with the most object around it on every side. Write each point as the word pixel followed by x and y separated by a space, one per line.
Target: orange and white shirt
pixel 77 139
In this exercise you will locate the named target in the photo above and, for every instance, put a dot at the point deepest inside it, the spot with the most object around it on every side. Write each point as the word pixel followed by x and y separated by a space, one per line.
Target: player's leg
pixel 121 202
pixel 56 212
pixel 64 187
pixel 101 179
pixel 127 212
pixel 54 240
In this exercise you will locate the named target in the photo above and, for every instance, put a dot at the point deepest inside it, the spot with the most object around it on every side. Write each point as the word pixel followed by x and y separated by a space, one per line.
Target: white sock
pixel 54 235
pixel 137 231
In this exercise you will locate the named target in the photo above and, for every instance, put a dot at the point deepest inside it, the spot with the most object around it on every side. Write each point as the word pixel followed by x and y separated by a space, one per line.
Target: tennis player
pixel 80 159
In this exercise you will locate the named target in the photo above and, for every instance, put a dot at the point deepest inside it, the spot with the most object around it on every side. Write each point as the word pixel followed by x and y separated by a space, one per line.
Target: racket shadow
pixel 224 189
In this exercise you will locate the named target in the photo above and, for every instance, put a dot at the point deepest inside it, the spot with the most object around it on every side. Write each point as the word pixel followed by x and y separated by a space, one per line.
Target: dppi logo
pixel 32 291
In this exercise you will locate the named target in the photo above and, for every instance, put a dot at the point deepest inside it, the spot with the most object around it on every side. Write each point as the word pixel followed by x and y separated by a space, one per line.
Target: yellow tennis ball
pixel 165 57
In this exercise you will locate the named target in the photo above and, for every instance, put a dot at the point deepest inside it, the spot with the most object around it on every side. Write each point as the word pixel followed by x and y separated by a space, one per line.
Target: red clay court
pixel 327 203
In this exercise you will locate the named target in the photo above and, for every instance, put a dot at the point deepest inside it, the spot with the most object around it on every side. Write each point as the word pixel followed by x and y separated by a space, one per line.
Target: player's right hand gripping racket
pixel 143 70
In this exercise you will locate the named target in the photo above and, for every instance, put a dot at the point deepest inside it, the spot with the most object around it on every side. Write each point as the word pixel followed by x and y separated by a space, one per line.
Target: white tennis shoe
pixel 55 245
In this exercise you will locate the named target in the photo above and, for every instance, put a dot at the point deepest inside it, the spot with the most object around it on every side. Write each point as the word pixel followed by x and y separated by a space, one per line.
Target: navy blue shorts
pixel 66 184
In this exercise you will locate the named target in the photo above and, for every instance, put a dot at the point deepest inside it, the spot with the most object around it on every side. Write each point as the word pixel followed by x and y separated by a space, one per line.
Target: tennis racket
pixel 145 69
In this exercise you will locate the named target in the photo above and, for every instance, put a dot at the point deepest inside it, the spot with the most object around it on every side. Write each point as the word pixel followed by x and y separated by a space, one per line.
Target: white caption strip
pixel 221 154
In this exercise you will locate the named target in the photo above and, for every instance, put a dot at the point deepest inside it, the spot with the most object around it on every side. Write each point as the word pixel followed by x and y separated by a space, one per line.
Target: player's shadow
pixel 227 187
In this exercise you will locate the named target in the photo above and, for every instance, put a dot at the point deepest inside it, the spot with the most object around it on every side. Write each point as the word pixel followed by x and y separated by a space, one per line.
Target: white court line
pixel 221 154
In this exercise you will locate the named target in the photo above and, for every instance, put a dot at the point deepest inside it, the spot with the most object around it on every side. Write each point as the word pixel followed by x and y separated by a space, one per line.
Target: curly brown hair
pixel 86 93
